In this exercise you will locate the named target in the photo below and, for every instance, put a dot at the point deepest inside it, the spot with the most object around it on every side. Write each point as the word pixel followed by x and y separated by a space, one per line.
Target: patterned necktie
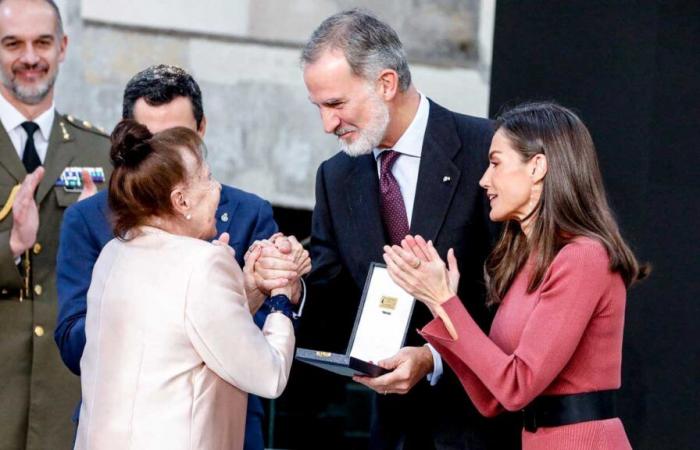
pixel 30 158
pixel 392 206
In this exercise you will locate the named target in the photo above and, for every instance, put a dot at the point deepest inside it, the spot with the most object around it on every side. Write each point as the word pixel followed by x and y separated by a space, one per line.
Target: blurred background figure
pixel 171 346
pixel 36 144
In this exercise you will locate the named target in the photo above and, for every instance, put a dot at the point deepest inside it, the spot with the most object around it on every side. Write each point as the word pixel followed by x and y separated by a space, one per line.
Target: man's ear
pixel 201 130
pixel 388 84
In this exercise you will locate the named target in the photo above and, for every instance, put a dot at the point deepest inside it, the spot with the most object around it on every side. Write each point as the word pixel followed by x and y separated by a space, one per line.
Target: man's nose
pixel 331 121
pixel 29 55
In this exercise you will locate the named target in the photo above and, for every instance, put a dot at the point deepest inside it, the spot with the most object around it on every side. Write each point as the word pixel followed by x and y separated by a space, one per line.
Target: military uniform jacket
pixel 37 392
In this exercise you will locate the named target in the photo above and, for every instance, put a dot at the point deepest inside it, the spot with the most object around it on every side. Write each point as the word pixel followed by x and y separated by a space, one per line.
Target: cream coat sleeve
pixel 221 328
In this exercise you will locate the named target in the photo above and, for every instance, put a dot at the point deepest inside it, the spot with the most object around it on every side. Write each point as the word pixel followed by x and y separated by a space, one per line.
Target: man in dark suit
pixel 36 144
pixel 408 165
pixel 160 97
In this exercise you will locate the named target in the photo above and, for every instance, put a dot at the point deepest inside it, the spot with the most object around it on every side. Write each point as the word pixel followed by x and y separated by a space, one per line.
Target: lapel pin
pixel 446 179
pixel 224 217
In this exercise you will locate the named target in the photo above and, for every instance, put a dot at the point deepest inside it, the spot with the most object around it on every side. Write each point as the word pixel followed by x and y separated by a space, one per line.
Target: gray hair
pixel 369 45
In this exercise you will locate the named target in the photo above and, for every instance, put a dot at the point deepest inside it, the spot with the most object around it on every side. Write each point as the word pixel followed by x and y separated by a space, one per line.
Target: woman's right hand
pixel 418 269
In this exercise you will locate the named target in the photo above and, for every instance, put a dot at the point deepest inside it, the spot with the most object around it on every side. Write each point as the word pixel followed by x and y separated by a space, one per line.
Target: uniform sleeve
pixel 221 329
pixel 578 278
pixel 77 253
pixel 10 277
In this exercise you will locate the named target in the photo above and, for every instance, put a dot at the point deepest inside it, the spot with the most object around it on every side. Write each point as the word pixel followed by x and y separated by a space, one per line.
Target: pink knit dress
pixel 564 338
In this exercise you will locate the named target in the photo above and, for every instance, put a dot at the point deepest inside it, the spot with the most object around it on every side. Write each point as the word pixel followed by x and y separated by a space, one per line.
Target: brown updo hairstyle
pixel 147 167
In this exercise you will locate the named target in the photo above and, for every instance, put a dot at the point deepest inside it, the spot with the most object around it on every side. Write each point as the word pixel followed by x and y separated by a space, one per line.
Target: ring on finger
pixel 417 264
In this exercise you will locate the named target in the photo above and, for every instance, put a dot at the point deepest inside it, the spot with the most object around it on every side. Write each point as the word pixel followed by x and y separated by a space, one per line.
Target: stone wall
pixel 263 134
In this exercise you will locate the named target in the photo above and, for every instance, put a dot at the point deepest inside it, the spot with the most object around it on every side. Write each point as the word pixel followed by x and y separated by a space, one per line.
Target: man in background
pixel 36 145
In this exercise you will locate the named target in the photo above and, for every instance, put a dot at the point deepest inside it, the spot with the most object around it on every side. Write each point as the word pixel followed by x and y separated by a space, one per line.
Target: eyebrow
pixel 493 153
pixel 12 37
pixel 328 102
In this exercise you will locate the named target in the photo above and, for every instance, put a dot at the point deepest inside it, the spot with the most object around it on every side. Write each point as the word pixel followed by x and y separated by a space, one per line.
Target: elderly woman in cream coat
pixel 172 350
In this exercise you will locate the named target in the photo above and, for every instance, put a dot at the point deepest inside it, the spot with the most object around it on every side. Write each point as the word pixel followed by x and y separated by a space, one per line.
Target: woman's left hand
pixel 418 269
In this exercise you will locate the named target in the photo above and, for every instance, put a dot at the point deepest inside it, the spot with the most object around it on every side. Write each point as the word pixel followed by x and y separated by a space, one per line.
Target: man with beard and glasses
pixel 37 143
pixel 407 165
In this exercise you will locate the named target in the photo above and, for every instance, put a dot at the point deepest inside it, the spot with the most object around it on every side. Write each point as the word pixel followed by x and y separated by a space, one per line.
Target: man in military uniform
pixel 37 392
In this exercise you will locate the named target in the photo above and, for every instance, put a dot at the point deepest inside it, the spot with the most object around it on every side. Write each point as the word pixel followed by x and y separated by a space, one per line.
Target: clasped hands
pixel 274 266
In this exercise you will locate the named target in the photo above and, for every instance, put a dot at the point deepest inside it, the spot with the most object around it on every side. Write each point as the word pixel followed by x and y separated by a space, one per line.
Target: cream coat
pixel 172 348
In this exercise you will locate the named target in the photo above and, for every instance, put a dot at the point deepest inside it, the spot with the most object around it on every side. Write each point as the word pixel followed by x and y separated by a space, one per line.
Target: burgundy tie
pixel 393 208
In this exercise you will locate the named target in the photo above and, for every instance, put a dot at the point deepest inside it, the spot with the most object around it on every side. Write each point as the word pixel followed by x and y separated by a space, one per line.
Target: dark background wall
pixel 631 69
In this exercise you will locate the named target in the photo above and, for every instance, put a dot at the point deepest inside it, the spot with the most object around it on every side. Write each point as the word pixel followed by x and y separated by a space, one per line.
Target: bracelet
pixel 281 303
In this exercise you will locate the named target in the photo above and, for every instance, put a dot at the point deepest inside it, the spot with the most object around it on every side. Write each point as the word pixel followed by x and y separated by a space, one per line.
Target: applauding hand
pixel 418 269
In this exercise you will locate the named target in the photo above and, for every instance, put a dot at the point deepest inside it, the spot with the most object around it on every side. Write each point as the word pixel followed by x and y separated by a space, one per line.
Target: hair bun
pixel 130 143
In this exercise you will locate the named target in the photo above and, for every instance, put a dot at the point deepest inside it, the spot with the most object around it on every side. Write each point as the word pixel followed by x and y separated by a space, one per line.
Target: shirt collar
pixel 411 141
pixel 11 118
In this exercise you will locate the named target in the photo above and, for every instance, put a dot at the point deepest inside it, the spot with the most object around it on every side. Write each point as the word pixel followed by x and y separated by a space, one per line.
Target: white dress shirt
pixel 12 122
pixel 405 170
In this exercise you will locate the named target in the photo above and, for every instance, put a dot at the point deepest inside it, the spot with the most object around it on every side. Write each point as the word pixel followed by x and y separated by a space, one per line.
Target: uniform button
pixel 37 248
pixel 4 292
pixel 38 289
pixel 39 330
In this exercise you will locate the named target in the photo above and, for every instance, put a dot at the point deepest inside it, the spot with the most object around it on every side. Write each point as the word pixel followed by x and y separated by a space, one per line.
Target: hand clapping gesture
pixel 417 268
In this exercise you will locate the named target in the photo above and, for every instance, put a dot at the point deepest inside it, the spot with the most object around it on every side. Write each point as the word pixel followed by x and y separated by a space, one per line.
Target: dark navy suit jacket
pixel 347 235
pixel 86 229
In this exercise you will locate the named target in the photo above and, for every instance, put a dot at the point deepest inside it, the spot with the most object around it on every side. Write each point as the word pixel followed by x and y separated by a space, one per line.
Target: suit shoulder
pixel 341 162
pixel 243 197
pixel 90 204
pixel 79 127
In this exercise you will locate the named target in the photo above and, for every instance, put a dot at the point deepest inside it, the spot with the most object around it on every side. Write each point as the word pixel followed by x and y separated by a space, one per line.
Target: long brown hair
pixel 573 201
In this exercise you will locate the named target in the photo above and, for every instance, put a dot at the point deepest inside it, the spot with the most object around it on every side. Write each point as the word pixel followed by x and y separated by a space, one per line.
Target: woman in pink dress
pixel 559 274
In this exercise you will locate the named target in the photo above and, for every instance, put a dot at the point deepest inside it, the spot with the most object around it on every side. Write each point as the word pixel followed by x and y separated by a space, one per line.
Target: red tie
pixel 393 208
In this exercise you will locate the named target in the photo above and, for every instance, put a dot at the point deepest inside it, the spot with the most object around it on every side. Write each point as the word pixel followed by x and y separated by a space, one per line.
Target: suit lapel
pixel 9 158
pixel 438 176
pixel 58 157
pixel 225 213
pixel 363 199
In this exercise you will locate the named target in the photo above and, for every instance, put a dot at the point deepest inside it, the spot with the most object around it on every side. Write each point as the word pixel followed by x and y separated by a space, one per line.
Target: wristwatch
pixel 281 303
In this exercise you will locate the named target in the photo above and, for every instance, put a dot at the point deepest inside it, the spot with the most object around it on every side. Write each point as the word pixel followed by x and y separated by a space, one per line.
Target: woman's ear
pixel 179 201
pixel 538 167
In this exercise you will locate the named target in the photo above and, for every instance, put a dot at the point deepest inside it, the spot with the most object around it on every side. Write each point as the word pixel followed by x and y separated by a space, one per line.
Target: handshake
pixel 271 267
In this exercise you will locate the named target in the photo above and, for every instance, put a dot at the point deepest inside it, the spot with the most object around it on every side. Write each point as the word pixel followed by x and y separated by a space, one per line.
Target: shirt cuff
pixel 434 377
pixel 302 301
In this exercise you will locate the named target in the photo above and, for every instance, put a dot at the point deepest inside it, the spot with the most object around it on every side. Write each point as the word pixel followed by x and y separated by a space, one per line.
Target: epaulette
pixel 83 125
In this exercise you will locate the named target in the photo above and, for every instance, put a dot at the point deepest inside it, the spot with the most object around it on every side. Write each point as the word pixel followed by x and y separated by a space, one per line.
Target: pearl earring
pixel 188 216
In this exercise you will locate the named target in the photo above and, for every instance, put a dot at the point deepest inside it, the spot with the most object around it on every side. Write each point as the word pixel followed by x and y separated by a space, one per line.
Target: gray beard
pixel 369 138
pixel 29 96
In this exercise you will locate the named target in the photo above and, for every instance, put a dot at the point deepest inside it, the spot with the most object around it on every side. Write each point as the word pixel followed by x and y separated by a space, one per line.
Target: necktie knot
pixel 388 158
pixel 30 128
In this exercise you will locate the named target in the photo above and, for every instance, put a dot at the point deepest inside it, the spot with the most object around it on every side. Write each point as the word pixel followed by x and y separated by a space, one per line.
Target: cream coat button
pixel 39 330
pixel 38 289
